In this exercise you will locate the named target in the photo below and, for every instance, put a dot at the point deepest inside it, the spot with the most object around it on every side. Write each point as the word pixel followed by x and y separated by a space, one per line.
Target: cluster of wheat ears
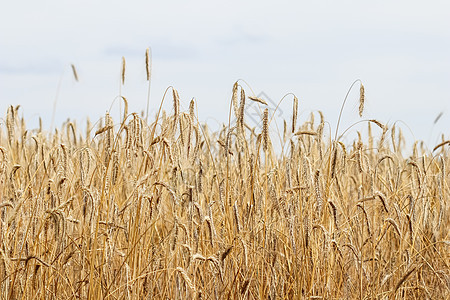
pixel 167 209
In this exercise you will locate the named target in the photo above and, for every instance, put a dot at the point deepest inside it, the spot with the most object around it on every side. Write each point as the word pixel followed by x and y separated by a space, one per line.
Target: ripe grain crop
pixel 167 209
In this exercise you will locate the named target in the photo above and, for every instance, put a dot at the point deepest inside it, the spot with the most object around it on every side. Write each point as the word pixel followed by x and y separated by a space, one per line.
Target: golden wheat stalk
pixel 74 72
pixel 122 73
pixel 257 99
pixel 294 113
pixel 361 100
pixel 148 67
pixel 265 131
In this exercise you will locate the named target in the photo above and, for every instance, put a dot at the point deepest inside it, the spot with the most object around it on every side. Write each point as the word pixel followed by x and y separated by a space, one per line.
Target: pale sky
pixel 399 49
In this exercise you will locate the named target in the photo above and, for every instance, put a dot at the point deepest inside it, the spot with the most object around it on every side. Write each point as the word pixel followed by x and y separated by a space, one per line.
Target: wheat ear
pixel 361 100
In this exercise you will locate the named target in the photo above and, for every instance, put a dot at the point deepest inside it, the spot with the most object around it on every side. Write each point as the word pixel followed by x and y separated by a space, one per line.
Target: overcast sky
pixel 399 49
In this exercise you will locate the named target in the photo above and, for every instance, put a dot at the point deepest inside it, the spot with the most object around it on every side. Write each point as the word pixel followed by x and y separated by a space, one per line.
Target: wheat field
pixel 167 209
